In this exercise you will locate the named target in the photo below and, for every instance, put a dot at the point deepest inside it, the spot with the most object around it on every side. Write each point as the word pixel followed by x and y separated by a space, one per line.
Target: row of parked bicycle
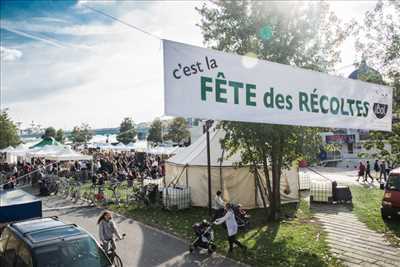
pixel 110 193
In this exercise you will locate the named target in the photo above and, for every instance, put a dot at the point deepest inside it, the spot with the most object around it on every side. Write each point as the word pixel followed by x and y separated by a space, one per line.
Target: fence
pixel 321 191
pixel 149 192
pixel 176 198
pixel 304 179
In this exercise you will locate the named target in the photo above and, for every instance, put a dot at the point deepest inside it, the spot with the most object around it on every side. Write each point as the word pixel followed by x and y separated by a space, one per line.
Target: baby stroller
pixel 204 237
pixel 241 215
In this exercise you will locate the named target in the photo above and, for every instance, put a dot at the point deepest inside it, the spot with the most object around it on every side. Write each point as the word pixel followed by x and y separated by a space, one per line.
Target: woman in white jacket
pixel 232 227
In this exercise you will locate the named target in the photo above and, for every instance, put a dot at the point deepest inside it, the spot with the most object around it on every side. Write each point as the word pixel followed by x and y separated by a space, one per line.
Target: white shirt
pixel 230 221
pixel 219 203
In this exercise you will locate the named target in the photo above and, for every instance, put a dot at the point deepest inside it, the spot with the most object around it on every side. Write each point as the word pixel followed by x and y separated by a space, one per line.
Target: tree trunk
pixel 258 187
pixel 276 181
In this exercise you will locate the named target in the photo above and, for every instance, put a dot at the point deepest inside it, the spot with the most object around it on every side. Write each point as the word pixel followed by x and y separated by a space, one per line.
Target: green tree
pixel 8 131
pixel 378 40
pixel 60 136
pixel 177 130
pixel 155 132
pixel 306 35
pixel 127 131
pixel 377 141
pixel 81 134
pixel 49 132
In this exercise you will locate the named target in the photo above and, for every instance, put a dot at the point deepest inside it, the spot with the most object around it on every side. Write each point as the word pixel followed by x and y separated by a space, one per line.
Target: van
pixel 391 199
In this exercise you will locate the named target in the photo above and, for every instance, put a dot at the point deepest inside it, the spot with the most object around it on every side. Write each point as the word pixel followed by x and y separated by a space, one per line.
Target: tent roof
pixel 7 149
pixel 163 150
pixel 196 153
pixel 66 154
pixel 44 151
pixel 47 141
pixel 19 150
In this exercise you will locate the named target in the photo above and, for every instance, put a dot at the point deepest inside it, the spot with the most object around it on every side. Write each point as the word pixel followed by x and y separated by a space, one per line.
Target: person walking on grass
pixel 383 171
pixel 231 226
pixel 368 173
pixel 376 169
pixel 361 171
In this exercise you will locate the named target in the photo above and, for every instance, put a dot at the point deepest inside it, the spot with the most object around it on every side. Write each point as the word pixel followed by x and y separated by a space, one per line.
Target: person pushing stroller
pixel 231 226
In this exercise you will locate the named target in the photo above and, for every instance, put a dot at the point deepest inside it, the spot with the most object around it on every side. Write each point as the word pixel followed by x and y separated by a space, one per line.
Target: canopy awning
pixel 7 149
pixel 46 142
pixel 68 154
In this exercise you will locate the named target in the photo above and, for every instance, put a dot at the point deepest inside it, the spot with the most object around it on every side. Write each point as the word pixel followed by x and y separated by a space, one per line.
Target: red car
pixel 391 199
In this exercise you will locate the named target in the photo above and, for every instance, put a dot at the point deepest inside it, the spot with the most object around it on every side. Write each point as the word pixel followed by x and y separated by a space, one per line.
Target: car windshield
pixel 393 182
pixel 71 253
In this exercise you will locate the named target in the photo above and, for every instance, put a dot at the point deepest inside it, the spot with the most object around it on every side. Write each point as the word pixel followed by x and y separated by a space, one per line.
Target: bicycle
pixel 116 195
pixel 112 254
pixel 89 195
pixel 63 187
pixel 137 196
pixel 75 192
pixel 99 197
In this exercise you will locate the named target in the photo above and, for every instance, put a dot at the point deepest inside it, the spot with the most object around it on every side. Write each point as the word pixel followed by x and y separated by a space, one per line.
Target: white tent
pixel 120 147
pixel 7 149
pixel 140 145
pixel 42 152
pixel 10 159
pixel 67 154
pixel 189 167
pixel 163 150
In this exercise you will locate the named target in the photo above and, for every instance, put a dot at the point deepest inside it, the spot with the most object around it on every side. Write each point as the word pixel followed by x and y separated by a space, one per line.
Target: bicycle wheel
pixel 117 261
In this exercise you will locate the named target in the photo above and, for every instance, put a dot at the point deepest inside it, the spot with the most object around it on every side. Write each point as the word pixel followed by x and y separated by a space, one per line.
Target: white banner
pixel 208 84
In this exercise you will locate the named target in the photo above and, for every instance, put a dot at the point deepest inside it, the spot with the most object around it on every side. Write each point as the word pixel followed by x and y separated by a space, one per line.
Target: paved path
pixel 351 241
pixel 144 246
pixel 342 176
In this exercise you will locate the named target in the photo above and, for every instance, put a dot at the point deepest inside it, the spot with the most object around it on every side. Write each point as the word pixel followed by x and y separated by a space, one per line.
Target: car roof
pixel 396 171
pixel 42 230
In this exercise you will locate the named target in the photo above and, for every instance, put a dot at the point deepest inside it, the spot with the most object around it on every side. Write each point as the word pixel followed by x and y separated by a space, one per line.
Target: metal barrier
pixel 321 192
pixel 304 179
pixel 176 198
pixel 151 193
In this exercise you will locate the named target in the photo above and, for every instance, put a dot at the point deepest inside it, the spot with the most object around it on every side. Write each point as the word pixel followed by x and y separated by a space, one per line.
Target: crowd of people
pixel 380 168
pixel 126 166
pixel 106 165
pixel 23 172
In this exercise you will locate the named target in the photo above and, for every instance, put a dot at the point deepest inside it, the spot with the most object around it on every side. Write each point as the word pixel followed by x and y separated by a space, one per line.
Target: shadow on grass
pixel 293 241
pixel 289 242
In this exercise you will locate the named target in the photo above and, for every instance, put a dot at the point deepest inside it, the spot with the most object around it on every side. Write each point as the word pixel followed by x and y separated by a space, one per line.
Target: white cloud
pixel 9 54
pixel 121 76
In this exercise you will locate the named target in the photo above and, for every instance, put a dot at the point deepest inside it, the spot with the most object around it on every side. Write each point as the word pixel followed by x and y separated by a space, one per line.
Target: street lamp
pixel 206 128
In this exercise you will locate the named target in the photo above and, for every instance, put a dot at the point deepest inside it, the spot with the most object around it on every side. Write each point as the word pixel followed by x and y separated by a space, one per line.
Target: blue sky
pixel 63 64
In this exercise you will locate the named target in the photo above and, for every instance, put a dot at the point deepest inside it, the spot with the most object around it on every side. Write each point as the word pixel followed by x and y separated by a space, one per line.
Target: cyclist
pixel 107 230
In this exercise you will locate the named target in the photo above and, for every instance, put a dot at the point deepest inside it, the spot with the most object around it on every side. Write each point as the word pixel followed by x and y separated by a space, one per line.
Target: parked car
pixel 391 199
pixel 49 242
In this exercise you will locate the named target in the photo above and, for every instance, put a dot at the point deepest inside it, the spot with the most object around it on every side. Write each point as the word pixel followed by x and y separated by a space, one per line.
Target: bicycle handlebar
pixel 123 237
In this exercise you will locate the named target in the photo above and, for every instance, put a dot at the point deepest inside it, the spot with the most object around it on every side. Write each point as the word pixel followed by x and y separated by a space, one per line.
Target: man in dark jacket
pixel 368 173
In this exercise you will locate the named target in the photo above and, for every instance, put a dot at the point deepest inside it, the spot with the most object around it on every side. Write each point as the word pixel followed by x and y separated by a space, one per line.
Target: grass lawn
pixel 366 205
pixel 292 242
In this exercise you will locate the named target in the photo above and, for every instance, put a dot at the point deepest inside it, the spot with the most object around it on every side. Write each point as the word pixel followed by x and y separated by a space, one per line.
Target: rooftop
pixel 45 229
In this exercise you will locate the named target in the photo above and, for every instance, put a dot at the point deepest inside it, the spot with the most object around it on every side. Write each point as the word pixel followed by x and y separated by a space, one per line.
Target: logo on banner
pixel 380 110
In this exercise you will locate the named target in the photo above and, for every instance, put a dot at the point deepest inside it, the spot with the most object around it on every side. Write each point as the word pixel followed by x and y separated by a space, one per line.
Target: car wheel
pixel 385 215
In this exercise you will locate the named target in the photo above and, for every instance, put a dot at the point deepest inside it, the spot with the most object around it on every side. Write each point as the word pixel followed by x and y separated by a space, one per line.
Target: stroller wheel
pixel 212 248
